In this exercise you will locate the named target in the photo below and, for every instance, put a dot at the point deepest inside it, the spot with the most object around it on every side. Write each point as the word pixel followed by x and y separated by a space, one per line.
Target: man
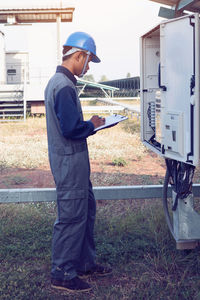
pixel 73 248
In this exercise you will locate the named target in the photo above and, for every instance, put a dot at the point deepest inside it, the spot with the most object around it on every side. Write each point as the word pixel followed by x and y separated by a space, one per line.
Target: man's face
pixel 83 58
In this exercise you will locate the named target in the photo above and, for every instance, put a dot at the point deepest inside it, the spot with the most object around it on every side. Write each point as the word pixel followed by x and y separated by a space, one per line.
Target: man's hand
pixel 97 121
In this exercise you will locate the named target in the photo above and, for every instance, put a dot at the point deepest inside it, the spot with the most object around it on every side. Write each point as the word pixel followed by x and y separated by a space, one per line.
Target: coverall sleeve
pixel 71 125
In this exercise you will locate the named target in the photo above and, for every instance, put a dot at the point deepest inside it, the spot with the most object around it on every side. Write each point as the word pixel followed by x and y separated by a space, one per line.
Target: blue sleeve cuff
pixel 91 125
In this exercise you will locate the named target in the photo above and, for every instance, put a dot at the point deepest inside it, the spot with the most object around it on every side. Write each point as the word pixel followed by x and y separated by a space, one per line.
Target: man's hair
pixel 65 50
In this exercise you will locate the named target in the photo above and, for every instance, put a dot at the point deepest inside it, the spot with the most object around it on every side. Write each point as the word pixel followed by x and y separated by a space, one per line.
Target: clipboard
pixel 111 121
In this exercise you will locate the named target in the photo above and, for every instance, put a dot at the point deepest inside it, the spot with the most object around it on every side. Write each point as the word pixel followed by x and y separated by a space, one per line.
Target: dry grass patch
pixel 115 142
pixel 24 144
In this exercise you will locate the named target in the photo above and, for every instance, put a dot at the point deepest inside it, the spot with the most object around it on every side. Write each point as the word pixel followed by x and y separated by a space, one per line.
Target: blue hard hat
pixel 83 41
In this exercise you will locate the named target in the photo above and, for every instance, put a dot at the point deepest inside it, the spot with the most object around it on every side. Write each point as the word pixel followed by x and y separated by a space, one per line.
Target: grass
pixel 119 161
pixel 117 142
pixel 14 180
pixel 131 236
pixel 24 144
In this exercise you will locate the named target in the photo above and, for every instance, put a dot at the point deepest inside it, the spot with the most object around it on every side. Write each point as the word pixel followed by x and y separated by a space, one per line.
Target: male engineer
pixel 73 247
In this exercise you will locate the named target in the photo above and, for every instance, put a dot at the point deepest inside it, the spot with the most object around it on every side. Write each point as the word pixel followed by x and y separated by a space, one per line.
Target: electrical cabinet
pixel 169 89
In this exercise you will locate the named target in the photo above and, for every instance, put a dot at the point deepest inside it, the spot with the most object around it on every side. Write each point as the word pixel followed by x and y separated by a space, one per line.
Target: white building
pixel 31 69
pixel 2 59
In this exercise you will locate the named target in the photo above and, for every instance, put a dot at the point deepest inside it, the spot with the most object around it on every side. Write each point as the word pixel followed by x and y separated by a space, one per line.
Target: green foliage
pixel 117 237
pixel 27 236
pixel 89 77
pixel 120 162
pixel 103 78
pixel 146 179
pixel 15 180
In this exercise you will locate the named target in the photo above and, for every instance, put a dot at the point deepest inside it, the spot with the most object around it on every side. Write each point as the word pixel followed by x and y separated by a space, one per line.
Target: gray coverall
pixel 73 246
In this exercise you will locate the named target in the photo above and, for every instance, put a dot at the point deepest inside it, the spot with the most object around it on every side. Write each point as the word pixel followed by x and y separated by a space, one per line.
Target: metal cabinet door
pixel 179 81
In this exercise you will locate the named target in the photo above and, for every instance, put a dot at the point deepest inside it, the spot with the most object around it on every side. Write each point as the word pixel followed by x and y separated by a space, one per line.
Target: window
pixel 11 71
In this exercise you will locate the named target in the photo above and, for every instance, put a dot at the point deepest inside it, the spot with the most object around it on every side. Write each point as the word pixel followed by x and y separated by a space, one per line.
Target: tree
pixel 89 77
pixel 103 78
pixel 128 75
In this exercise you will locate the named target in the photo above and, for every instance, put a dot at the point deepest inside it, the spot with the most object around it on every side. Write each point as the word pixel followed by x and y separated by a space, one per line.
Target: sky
pixel 115 25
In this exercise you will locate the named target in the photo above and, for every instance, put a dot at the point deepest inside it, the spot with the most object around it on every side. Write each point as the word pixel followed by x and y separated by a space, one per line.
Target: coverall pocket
pixel 72 206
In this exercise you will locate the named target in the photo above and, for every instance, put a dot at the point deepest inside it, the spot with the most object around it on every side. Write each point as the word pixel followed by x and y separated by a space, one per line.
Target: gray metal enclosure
pixel 170 66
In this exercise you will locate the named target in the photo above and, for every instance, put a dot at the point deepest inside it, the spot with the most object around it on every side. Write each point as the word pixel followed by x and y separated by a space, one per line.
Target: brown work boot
pixel 73 285
pixel 97 270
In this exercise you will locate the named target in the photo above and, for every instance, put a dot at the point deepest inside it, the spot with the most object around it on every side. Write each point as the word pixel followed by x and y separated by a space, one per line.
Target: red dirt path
pixel 149 170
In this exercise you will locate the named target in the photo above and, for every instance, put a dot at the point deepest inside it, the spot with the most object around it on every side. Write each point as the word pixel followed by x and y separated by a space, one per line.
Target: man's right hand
pixel 97 121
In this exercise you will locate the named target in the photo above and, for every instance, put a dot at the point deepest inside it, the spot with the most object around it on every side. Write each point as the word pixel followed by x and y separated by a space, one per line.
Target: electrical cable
pixel 180 176
pixel 165 203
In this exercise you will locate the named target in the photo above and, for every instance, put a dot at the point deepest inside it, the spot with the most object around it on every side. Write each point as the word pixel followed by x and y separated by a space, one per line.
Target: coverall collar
pixel 61 69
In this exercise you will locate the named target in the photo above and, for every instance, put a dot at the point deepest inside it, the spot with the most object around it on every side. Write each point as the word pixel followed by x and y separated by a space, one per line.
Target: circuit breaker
pixel 169 89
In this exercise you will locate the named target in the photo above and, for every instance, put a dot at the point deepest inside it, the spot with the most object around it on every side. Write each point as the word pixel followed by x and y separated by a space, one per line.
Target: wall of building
pixel 2 59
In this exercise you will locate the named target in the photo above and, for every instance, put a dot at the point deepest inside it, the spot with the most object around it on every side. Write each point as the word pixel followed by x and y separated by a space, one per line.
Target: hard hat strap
pixel 85 64
pixel 71 51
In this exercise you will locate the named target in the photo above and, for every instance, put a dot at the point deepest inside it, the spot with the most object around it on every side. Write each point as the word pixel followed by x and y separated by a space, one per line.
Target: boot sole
pixel 69 290
pixel 94 274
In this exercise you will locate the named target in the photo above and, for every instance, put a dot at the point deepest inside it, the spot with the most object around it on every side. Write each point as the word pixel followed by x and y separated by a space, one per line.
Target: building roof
pixel 35 4
pixel 181 5
pixel 35 11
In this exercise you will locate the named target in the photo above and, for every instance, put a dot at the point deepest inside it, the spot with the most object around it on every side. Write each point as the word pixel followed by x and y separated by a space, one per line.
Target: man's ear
pixel 78 55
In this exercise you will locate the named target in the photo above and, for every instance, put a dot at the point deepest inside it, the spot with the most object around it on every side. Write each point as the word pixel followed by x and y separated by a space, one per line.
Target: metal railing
pixel 101 193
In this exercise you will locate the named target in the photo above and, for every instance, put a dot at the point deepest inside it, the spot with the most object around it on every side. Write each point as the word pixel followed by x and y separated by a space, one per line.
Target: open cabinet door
pixel 170 106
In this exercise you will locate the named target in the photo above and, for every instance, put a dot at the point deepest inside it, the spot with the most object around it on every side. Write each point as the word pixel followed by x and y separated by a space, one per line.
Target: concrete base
pixel 187 244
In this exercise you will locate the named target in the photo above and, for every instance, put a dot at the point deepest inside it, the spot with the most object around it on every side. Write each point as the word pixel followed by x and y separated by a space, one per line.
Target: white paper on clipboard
pixel 111 120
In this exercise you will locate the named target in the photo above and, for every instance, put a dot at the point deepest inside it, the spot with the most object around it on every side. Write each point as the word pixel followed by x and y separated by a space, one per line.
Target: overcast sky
pixel 114 24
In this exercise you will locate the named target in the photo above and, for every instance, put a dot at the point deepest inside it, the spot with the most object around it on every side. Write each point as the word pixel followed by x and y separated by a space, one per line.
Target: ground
pixel 117 157
pixel 103 173
pixel 132 234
